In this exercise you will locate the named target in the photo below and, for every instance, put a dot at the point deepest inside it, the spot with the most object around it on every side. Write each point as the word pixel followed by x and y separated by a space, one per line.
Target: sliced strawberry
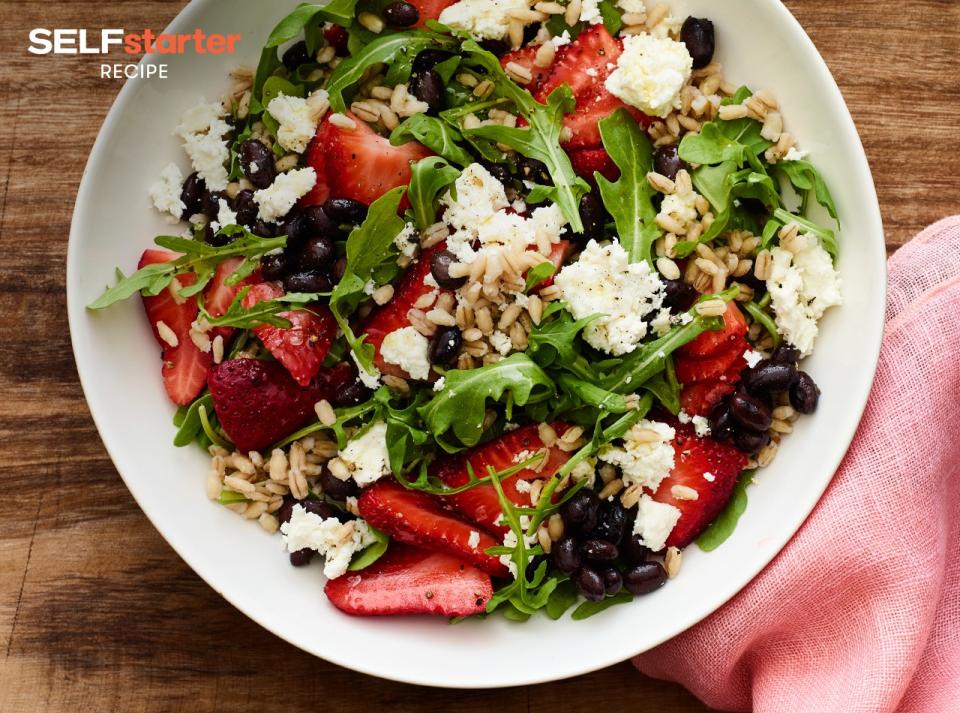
pixel 587 161
pixel 359 163
pixel 526 57
pixel 481 504
pixel 303 346
pixel 695 457
pixel 430 10
pixel 407 580
pixel 315 160
pixel 584 66
pixel 258 402
pixel 697 399
pixel 393 315
pixel 712 341
pixel 184 366
pixel 708 368
pixel 558 255
pixel 419 519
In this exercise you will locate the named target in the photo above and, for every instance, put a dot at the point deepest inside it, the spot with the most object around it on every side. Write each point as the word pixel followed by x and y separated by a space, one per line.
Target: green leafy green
pixel 588 609
pixel 720 141
pixel 405 432
pixel 593 395
pixel 561 599
pixel 210 429
pixel 611 16
pixel 554 340
pixel 539 273
pixel 722 527
pixel 429 178
pixel 781 217
pixel 805 177
pixel 190 425
pixel 439 136
pixel 460 406
pixel 263 312
pixel 629 199
pixel 371 553
pixel 758 315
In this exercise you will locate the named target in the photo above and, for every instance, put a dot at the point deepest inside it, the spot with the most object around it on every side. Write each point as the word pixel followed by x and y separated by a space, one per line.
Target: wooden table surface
pixel 96 611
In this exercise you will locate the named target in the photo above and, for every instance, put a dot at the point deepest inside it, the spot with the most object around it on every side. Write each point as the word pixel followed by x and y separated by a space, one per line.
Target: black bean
pixel 297 229
pixel 598 551
pixel 785 354
pixel 750 442
pixel 593 215
pixel 401 14
pixel 678 295
pixel 245 208
pixel 589 583
pixel 499 171
pixel 350 394
pixel 317 223
pixel 301 558
pixel 340 268
pixel 750 412
pixel 497 47
pixel 644 578
pixel 768 378
pixel 263 229
pixel 335 488
pixel 192 194
pixel 533 170
pixel 252 154
pixel 318 507
pixel 722 425
pixel 312 281
pixel 698 35
pixel 611 522
pixel 440 263
pixel 566 555
pixel 666 161
pixel 445 346
pixel 427 86
pixel 804 394
pixel 211 237
pixel 274 267
pixel 428 59
pixel 295 56
pixel 316 254
pixel 633 551
pixel 345 211
pixel 210 203
pixel 579 513
pixel 612 581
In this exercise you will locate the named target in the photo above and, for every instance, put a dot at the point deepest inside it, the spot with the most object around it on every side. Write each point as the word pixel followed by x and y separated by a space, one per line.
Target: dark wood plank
pixel 96 611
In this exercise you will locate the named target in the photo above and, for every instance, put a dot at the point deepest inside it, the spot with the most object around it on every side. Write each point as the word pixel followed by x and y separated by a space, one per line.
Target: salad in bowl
pixel 485 306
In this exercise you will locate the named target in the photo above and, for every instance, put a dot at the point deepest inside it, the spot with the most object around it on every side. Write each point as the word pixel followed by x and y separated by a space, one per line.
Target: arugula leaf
pixel 561 599
pixel 720 141
pixel 541 138
pixel 588 609
pixel 805 177
pixel 436 135
pixel 722 527
pixel 755 311
pixel 629 199
pixel 461 405
pixel 370 248
pixel 429 178
pixel 665 388
pixel 371 553
pixel 263 312
pixel 539 273
pixel 781 217
pixel 593 395
pixel 553 341
pixel 397 50
pixel 427 483
pixel 190 426
pixel 405 434
pixel 611 16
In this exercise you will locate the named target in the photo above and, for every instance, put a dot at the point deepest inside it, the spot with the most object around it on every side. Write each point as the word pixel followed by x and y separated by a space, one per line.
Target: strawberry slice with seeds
pixel 697 399
pixel 712 367
pixel 695 458
pixel 588 161
pixel 584 66
pixel 184 365
pixel 258 402
pixel 315 159
pixel 303 346
pixel 218 295
pixel 420 519
pixel 526 58
pixel 408 580
pixel 480 504
pixel 713 341
pixel 358 163
pixel 430 10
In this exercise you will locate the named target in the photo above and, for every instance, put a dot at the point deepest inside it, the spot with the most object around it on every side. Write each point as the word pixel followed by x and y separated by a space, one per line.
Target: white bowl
pixel 760 44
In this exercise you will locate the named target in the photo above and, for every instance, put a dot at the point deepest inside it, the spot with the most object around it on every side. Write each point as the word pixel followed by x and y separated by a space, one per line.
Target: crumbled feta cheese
pixel 501 342
pixel 562 39
pixel 686 318
pixel 336 541
pixel 655 521
pixel 439 383
pixel 646 457
pixel 366 457
pixel 473 542
pixel 165 193
pixel 510 540
pixel 407 348
pixel 369 287
pixel 522 486
pixel 681 207
pixel 483 19
pixel 298 118
pixel 661 323
pixel 590 12
pixel 276 200
pixel 519 458
pixel 752 358
pixel 701 426
pixel 254 167
pixel 650 73
pixel 683 417
pixel 794 154
pixel 709 477
pixel 202 129
pixel 225 216
pixel 590 72
pixel 802 287
pixel 407 241
pixel 603 281
pixel 371 381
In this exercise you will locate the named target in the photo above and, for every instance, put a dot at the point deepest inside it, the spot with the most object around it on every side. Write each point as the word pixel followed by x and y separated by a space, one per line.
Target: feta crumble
pixel 603 281
pixel 276 200
pixel 510 540
pixel 795 154
pixel 752 358
pixel 336 541
pixel 709 477
pixel 646 457
pixel 165 193
pixel 802 286
pixel 202 129
pixel 225 216
pixel 655 521
pixel 650 73
pixel 298 118
pixel 366 457
pixel 371 381
pixel 439 383
pixel 473 542
pixel 701 426
pixel 590 12
pixel 407 241
pixel 483 19
pixel 501 342
pixel 407 348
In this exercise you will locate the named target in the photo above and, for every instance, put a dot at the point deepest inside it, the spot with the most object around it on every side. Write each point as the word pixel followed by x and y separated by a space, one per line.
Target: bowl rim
pixel 76 310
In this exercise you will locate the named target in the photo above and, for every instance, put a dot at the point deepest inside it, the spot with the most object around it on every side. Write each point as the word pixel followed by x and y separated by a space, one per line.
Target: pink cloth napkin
pixel 861 610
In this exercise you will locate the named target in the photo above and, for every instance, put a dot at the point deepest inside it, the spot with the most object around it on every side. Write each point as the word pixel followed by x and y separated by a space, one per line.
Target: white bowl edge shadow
pixel 119 371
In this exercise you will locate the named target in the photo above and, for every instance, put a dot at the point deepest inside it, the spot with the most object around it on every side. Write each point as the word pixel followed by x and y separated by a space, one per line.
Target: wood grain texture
pixel 96 611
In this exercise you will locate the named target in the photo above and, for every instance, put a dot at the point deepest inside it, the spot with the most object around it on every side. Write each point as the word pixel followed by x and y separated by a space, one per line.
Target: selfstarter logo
pixel 63 41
